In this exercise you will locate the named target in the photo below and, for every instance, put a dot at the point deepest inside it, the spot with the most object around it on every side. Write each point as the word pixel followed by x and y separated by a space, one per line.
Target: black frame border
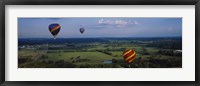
pixel 3 3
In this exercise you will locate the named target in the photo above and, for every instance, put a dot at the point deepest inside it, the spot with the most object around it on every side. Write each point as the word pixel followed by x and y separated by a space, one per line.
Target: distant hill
pixel 34 41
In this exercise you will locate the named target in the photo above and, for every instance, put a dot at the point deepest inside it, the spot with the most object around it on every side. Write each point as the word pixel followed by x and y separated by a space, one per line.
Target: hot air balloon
pixel 81 30
pixel 129 55
pixel 54 29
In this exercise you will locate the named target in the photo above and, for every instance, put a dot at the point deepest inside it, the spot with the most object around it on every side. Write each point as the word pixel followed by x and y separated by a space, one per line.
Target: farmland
pixel 164 52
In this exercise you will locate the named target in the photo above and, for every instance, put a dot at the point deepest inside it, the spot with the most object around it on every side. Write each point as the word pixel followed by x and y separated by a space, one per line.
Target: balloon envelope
pixel 81 30
pixel 54 29
pixel 129 55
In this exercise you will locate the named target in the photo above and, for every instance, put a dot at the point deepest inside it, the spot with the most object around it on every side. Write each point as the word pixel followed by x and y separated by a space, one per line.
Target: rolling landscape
pixel 151 52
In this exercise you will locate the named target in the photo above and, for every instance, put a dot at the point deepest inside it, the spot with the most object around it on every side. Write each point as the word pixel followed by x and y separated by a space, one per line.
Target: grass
pixel 28 53
pixel 94 57
pixel 90 55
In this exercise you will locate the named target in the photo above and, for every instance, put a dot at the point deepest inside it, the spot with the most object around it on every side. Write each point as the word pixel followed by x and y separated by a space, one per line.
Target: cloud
pixel 106 23
pixel 112 23
pixel 136 23
pixel 116 23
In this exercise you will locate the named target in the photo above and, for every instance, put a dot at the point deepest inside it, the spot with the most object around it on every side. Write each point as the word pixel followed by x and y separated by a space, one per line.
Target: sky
pixel 101 27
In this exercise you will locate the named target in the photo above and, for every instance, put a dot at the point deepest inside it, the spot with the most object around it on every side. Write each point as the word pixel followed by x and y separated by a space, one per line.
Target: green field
pixel 95 57
pixel 101 55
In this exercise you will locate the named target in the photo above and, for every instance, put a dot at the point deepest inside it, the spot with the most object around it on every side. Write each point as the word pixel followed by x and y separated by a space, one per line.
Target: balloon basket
pixel 54 37
pixel 129 66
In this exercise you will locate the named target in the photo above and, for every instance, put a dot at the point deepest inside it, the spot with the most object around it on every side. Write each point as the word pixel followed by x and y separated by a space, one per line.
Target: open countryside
pixel 161 52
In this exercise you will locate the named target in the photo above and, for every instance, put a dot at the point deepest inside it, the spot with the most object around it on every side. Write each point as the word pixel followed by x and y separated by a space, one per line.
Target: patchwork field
pixel 101 54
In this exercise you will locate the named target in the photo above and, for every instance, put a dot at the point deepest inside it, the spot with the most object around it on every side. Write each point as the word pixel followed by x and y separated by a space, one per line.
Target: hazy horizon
pixel 105 37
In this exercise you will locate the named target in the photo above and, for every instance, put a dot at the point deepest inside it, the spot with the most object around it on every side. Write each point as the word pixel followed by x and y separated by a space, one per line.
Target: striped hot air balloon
pixel 54 29
pixel 129 55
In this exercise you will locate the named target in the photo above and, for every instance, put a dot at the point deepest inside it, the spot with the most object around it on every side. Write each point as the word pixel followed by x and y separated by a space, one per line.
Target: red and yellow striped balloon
pixel 129 55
